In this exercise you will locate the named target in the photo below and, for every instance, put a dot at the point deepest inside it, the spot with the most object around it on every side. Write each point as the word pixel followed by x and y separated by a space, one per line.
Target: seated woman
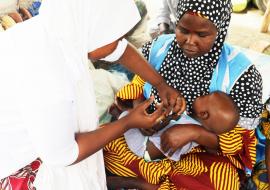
pixel 195 60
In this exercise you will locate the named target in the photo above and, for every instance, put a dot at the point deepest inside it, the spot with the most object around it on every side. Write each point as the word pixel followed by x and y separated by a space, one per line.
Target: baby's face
pixel 202 108
pixel 200 104
pixel 215 112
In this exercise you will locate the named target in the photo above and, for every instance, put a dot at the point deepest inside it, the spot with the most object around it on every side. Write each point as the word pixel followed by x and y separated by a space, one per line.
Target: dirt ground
pixel 243 31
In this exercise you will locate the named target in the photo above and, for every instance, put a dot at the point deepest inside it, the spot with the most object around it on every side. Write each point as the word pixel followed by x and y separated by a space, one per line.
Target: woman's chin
pixel 190 55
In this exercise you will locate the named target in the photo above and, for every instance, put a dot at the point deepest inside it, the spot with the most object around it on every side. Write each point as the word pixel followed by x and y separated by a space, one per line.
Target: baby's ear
pixel 203 115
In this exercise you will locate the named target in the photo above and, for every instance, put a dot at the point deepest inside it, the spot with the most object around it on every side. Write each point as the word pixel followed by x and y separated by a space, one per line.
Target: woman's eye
pixel 183 30
pixel 202 34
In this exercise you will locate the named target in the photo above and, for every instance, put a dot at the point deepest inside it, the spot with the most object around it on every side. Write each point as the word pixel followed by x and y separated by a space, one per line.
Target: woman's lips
pixel 189 51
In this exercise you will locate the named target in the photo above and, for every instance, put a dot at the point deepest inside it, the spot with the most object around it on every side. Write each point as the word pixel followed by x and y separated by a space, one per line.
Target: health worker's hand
pixel 172 100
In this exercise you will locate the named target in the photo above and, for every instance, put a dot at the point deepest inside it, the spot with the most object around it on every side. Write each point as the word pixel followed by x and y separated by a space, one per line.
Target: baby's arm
pixel 154 145
pixel 178 135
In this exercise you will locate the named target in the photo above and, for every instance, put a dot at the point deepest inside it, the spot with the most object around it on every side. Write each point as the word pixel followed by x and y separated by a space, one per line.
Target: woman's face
pixel 195 35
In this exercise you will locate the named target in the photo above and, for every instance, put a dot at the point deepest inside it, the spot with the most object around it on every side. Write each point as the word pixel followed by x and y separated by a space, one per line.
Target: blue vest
pixel 231 65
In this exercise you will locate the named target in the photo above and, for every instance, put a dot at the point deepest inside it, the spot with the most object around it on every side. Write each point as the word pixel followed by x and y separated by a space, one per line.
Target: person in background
pixel 165 18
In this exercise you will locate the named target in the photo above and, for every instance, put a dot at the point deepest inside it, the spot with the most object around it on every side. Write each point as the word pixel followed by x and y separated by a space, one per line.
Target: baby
pixel 216 112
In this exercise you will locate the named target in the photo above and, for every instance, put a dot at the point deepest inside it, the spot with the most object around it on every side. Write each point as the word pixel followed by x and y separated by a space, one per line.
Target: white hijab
pixel 80 26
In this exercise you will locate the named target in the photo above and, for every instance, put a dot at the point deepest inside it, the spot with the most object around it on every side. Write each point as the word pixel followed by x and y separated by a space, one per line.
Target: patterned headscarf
pixel 217 11
pixel 192 76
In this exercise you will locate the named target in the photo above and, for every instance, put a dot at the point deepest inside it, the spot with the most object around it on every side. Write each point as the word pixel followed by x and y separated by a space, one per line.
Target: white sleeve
pixel 118 52
pixel 111 21
pixel 163 13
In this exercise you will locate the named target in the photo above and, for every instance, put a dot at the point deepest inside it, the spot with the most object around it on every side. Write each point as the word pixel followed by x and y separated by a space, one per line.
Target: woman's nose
pixel 191 39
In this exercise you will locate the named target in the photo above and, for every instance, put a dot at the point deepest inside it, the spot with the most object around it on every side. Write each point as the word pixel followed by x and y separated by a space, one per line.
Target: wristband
pixel 118 52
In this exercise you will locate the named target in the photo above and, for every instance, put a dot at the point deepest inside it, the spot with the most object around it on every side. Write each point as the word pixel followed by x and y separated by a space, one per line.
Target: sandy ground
pixel 243 31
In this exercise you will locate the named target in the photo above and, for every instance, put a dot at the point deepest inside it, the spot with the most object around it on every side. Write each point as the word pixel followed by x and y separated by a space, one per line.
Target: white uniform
pixel 46 89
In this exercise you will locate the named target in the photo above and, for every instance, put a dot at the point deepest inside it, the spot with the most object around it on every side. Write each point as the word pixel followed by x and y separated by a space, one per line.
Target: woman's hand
pixel 177 136
pixel 173 101
pixel 139 118
pixel 159 126
pixel 135 62
pixel 92 141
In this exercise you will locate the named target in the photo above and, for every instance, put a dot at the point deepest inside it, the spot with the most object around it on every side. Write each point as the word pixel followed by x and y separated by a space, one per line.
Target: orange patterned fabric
pixel 120 160
pixel 130 92
pixel 196 170
pixel 133 90
pixel 138 80
pixel 239 145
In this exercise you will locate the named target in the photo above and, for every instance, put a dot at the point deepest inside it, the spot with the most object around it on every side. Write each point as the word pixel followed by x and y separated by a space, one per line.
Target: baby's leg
pixel 153 151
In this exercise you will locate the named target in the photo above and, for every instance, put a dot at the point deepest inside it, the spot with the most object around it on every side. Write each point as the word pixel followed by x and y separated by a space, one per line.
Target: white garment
pixel 166 13
pixel 46 89
pixel 136 140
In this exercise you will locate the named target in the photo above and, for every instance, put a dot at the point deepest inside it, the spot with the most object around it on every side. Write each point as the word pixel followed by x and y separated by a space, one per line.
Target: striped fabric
pixel 138 80
pixel 195 166
pixel 196 170
pixel 133 90
pixel 120 161
pixel 130 92
pixel 240 142
pixel 224 176
pixel 219 174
